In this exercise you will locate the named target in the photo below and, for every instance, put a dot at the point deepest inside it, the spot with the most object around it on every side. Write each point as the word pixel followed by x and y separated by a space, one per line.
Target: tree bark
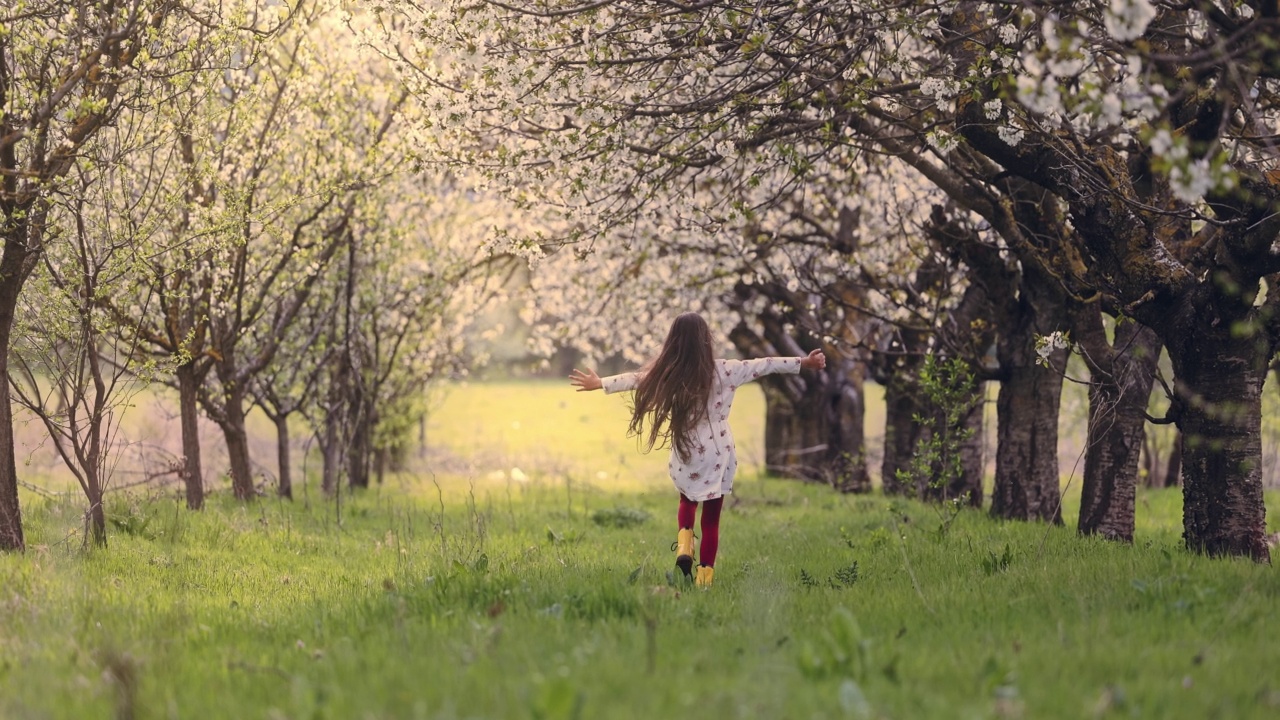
pixel 15 266
pixel 237 438
pixel 359 452
pixel 820 435
pixel 1026 486
pixel 973 453
pixel 1219 376
pixel 188 411
pixel 1173 469
pixel 902 432
pixel 238 456
pixel 11 537
pixel 329 447
pixel 97 513
pixel 285 487
pixel 1119 390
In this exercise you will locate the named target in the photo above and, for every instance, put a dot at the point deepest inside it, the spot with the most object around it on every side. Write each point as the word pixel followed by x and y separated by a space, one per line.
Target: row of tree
pixel 995 180
pixel 216 197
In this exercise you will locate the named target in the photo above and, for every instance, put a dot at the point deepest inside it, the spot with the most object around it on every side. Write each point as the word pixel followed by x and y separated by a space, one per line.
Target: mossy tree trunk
pixel 1122 373
pixel 1027 473
pixel 814 420
pixel 1220 361
pixel 815 432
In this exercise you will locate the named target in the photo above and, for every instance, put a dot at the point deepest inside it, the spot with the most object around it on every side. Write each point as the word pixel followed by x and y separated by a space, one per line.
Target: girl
pixel 684 395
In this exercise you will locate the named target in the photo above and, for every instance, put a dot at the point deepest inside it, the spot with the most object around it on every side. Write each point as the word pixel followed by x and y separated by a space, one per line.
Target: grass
pixel 473 591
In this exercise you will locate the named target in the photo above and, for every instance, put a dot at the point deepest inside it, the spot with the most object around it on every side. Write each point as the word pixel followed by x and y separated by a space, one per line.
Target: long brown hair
pixel 674 387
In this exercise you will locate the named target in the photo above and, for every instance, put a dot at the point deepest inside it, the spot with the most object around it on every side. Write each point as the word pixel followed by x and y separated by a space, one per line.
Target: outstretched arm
pixel 816 360
pixel 738 372
pixel 584 381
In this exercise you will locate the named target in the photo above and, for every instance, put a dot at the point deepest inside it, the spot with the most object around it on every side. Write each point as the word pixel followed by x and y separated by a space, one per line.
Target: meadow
pixel 522 570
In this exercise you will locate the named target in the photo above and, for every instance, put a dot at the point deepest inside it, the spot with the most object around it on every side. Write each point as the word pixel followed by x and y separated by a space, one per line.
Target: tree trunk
pixel 329 447
pixel 230 417
pixel 902 432
pixel 1219 390
pixel 973 454
pixel 14 270
pixel 285 488
pixel 97 513
pixel 10 513
pixel 1027 483
pixel 1173 471
pixel 1026 486
pixel 237 438
pixel 820 436
pixel 358 453
pixel 1118 396
pixel 188 411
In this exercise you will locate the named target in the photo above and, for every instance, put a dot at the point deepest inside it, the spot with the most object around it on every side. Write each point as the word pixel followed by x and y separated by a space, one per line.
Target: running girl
pixel 683 396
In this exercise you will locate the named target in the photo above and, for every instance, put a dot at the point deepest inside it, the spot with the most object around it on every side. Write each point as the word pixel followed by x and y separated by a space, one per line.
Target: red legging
pixel 710 541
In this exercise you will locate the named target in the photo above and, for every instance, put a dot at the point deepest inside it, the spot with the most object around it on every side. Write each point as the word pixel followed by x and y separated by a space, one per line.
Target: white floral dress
pixel 709 472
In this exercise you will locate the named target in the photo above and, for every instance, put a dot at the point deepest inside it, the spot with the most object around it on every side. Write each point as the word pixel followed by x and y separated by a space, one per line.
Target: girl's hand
pixel 815 361
pixel 584 381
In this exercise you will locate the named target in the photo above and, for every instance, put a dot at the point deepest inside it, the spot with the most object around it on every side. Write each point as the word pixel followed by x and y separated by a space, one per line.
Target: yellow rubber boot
pixel 705 573
pixel 684 551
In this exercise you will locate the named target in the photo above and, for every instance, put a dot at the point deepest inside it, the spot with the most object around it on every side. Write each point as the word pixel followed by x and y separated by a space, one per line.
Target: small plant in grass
pixel 557 699
pixel 992 563
pixel 845 577
pixel 838 650
pixel 620 517
pixel 132 520
pixel 556 538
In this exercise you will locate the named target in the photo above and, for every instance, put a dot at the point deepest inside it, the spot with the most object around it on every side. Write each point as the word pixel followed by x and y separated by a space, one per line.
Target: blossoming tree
pixel 1119 150
pixel 67 70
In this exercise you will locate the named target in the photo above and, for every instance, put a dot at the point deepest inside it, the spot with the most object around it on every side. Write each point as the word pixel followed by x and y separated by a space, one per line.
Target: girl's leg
pixel 684 535
pixel 684 517
pixel 710 531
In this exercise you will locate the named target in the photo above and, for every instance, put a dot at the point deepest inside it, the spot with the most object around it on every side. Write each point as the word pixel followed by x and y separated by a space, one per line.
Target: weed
pixel 133 520
pixel 846 576
pixel 843 578
pixel 620 517
pixel 566 538
pixel 836 650
pixel 992 563
pixel 557 699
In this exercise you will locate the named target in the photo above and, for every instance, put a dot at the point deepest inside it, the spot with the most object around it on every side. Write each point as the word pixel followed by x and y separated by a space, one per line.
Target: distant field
pixel 490 427
pixel 470 590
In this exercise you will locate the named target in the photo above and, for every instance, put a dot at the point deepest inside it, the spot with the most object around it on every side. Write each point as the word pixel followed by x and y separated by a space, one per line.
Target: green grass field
pixel 522 573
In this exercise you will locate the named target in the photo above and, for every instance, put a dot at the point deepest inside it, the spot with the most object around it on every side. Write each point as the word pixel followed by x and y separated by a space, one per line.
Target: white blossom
pixel 1011 135
pixel 1126 20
